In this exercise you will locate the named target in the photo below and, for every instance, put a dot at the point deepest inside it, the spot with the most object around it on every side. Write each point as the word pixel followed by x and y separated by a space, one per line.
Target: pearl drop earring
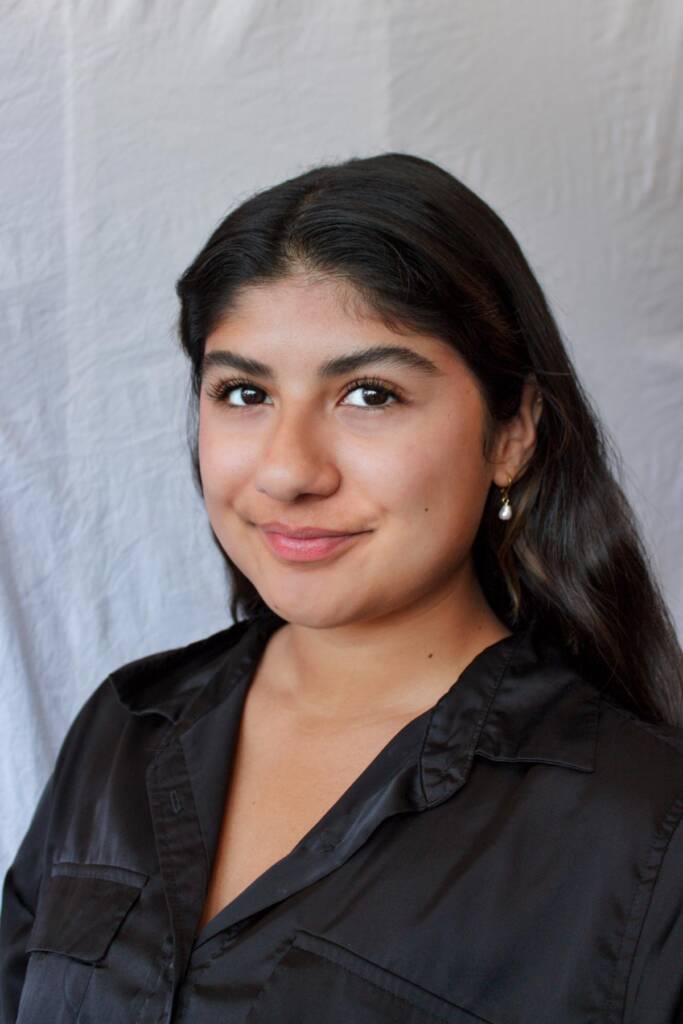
pixel 505 510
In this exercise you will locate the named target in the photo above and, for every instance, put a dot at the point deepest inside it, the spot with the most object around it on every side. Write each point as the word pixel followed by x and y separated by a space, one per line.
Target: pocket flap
pixel 317 979
pixel 81 908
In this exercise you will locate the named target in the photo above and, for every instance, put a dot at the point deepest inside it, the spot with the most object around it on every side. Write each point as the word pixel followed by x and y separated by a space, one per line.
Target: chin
pixel 308 612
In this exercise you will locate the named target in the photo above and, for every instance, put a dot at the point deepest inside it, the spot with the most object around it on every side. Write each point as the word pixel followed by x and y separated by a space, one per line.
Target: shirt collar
pixel 168 682
pixel 521 699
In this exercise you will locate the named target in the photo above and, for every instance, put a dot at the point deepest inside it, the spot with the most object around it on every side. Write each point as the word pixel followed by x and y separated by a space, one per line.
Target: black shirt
pixel 514 855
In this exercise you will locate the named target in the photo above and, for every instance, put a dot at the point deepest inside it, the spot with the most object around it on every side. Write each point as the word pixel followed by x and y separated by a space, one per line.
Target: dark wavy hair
pixel 426 254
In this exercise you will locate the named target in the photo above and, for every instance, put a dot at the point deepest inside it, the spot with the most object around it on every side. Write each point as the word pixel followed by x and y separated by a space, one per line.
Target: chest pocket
pixel 317 980
pixel 80 910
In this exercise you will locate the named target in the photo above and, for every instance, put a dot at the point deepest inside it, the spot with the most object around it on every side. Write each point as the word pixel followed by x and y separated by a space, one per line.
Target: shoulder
pixel 629 771
pixel 627 754
pixel 161 682
pixel 639 769
pixel 550 708
pixel 626 735
pixel 152 689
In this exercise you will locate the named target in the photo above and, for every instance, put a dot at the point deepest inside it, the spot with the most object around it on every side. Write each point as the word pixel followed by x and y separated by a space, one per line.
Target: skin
pixel 383 628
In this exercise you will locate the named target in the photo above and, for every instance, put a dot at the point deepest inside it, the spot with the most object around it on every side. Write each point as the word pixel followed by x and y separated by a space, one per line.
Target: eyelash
pixel 222 388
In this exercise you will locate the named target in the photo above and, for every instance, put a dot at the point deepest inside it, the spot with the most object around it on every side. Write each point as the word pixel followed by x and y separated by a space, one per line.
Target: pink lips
pixel 308 549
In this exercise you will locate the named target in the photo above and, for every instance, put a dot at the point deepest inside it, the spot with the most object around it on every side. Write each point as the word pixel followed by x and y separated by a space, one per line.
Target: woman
pixel 434 770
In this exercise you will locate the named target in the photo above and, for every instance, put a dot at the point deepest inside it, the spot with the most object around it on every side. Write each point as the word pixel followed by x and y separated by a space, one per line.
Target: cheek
pixel 441 484
pixel 222 464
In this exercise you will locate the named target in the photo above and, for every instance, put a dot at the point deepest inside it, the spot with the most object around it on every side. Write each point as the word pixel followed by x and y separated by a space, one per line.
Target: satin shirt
pixel 514 855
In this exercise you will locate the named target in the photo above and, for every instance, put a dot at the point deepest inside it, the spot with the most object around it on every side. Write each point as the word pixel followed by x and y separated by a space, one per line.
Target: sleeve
pixel 19 898
pixel 655 988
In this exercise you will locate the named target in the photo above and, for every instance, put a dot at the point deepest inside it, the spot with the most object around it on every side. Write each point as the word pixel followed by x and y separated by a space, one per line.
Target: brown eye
pixel 223 388
pixel 247 393
pixel 374 388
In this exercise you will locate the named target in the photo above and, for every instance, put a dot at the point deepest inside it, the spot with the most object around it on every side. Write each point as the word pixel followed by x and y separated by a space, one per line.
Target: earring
pixel 505 510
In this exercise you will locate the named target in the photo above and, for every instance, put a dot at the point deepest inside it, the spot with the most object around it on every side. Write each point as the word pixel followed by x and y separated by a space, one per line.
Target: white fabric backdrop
pixel 130 127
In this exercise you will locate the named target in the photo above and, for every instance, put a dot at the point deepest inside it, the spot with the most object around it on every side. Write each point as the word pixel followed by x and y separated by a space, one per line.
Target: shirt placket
pixel 181 855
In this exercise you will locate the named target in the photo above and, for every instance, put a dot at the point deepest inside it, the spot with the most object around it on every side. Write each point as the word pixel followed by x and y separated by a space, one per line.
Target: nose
pixel 296 457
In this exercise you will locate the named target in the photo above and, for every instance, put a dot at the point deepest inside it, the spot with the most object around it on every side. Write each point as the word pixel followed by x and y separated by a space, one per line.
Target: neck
pixel 394 665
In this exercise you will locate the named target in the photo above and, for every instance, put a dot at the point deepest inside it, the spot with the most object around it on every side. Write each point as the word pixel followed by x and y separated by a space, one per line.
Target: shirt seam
pixel 635 921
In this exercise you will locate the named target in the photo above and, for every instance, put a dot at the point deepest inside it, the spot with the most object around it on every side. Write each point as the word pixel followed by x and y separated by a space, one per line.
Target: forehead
pixel 306 320
pixel 299 296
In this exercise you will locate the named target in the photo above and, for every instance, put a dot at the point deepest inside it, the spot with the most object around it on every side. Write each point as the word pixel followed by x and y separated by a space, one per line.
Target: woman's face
pixel 401 469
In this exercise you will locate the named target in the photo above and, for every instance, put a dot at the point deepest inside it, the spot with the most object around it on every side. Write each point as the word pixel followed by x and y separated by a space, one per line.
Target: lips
pixel 305 531
pixel 307 549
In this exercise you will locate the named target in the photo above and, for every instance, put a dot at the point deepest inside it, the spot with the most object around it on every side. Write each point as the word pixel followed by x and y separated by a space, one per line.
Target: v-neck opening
pixel 322 828
pixel 294 867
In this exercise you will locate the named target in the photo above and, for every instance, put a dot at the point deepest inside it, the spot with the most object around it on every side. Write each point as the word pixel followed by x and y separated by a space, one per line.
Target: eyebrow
pixel 396 355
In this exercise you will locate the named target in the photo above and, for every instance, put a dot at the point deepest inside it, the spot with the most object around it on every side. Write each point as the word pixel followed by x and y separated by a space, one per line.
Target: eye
pixel 222 388
pixel 373 386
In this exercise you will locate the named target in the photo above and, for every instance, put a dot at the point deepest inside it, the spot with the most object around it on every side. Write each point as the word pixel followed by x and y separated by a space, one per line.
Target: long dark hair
pixel 426 254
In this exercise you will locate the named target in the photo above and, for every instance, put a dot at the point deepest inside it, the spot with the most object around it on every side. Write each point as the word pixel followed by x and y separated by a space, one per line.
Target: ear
pixel 516 439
